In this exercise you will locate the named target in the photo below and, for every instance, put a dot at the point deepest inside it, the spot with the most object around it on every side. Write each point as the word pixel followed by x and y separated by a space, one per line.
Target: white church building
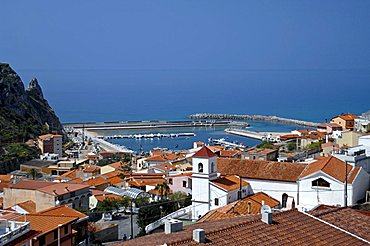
pixel 210 190
pixel 216 182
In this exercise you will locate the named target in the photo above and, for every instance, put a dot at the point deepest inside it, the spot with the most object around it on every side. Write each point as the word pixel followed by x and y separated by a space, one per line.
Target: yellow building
pixel 347 121
pixel 348 138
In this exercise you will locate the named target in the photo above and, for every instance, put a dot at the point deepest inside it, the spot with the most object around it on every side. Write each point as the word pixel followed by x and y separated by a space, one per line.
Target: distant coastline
pixel 209 116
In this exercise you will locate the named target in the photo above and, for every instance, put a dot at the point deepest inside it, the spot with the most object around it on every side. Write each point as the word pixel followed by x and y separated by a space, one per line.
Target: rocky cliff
pixel 24 113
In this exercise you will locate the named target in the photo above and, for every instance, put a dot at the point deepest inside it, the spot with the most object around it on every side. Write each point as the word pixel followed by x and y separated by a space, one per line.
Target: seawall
pixel 208 116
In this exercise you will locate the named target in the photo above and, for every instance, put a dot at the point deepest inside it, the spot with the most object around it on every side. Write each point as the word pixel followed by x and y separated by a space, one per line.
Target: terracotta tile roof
pixel 229 182
pixel 238 208
pixel 106 196
pixel 46 223
pixel 216 148
pixel 115 180
pixel 96 192
pixel 117 165
pixel 333 167
pixel 229 153
pixel 29 206
pixel 204 152
pixel 91 169
pixel 157 158
pixel 138 182
pixel 189 174
pixel 58 189
pixel 349 219
pixel 6 178
pixel 70 174
pixel 96 181
pixel 113 174
pixel 31 184
pixel 63 210
pixel 256 169
pixel 166 167
pixel 49 136
pixel 347 117
pixel 156 152
pixel 289 228
pixel 289 136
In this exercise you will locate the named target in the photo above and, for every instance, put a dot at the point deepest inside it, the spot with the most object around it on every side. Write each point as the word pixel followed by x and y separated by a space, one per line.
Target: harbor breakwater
pixel 208 116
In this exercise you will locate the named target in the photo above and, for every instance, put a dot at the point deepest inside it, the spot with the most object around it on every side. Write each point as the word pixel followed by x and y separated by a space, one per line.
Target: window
pixel 170 181
pixel 42 240
pixel 216 202
pixel 200 167
pixel 65 229
pixel 184 183
pixel 320 182
pixel 56 234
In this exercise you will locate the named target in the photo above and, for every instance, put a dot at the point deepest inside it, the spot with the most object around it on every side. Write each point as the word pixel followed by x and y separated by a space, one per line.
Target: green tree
pixel 181 198
pixel 34 173
pixel 163 189
pixel 110 204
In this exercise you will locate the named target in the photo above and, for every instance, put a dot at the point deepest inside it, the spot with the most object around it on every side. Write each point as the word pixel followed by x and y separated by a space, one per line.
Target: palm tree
pixel 33 173
pixel 163 189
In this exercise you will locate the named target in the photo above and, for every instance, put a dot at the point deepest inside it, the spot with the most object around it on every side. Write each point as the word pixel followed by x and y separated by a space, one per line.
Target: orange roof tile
pixel 46 223
pixel 165 167
pixel 240 207
pixel 117 165
pixel 229 183
pixel 63 210
pixel 113 174
pixel 107 196
pixel 6 178
pixel 31 184
pixel 115 180
pixel 256 169
pixel 229 153
pixel 333 167
pixel 29 206
pixel 347 117
pixel 58 189
pixel 96 181
pixel 204 152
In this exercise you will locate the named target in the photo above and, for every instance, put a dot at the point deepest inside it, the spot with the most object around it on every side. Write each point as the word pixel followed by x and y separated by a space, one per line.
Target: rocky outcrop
pixel 23 113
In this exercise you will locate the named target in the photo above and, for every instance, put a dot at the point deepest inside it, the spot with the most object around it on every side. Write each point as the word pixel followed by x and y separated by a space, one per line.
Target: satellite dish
pixel 265 209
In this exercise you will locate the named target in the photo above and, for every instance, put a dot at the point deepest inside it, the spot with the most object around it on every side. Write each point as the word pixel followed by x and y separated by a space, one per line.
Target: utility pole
pixel 132 222
pixel 345 189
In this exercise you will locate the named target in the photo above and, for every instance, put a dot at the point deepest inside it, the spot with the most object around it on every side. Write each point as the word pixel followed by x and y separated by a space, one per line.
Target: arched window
pixel 284 199
pixel 320 182
pixel 213 167
pixel 200 167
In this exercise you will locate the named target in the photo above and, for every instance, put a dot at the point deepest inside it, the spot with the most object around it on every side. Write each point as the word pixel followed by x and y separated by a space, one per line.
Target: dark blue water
pixel 202 134
pixel 109 95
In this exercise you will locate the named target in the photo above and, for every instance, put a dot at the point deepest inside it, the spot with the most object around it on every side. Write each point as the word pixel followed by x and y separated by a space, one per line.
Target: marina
pixel 151 135
pixel 223 142
pixel 126 125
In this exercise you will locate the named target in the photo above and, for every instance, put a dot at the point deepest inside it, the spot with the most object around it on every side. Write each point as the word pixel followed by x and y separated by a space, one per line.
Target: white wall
pixel 310 197
pixel 177 184
pixel 275 189
pixel 360 186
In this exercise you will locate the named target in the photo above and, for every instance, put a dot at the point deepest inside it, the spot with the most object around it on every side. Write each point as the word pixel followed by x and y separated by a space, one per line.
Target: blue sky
pixel 165 59
pixel 186 34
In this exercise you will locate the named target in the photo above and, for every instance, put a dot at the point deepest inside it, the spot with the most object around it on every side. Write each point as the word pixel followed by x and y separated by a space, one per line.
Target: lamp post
pixel 345 188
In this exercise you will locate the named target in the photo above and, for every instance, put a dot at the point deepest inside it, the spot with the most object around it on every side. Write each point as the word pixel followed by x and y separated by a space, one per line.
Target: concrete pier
pixel 263 136
pixel 145 124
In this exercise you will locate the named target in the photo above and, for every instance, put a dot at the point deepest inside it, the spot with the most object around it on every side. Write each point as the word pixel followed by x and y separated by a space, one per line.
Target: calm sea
pixel 109 95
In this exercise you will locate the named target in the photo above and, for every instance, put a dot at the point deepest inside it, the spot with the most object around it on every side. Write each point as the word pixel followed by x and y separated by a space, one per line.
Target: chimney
pixel 249 207
pixel 266 214
pixel 199 235
pixel 172 226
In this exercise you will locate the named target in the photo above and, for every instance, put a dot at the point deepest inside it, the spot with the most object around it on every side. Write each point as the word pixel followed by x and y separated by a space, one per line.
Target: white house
pixel 180 182
pixel 209 191
pixel 323 182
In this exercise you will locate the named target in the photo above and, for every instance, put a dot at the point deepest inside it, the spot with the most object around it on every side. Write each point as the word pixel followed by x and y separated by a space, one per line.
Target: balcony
pixel 14 226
